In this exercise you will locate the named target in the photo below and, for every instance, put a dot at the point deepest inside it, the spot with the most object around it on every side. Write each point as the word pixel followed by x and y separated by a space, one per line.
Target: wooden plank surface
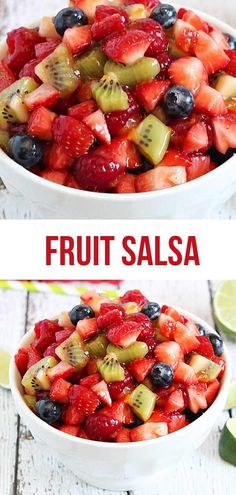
pixel 22 460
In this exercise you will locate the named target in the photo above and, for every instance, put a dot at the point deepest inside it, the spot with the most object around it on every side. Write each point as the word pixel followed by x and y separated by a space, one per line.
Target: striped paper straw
pixel 56 288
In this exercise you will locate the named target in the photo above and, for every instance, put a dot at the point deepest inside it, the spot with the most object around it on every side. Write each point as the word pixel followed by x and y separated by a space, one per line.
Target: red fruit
pixel 84 91
pixel 185 374
pixel 72 416
pixel 231 66
pixel 151 92
pixel 164 60
pixel 77 39
pixel 77 375
pixel 127 47
pixel 166 325
pixel 159 178
pixel 151 343
pixel 107 307
pixel 149 4
pixel 126 185
pixel 135 296
pixel 124 334
pixel 195 21
pixel 117 120
pixel 224 133
pixel 197 397
pixel 21 47
pixel 59 390
pixel 82 434
pixel 188 72
pixel 82 110
pixel 103 11
pixel 33 356
pixel 50 351
pixel 159 41
pixel 70 430
pixel 158 416
pixel 212 57
pixel 108 25
pixel 175 402
pixel 7 77
pixel 212 390
pixel 57 176
pixel 91 380
pixel 111 317
pixel 201 165
pixel 28 70
pixel 101 428
pixel 44 96
pixel 175 158
pixel 57 158
pixel 63 105
pixel 88 6
pixel 123 436
pixel 21 360
pixel 133 157
pixel 169 353
pixel 176 421
pixel 42 50
pixel 118 390
pixel 222 364
pixel 141 367
pixel 185 36
pixel 72 135
pixel 196 138
pixel 97 124
pixel 87 328
pixel 219 38
pixel 119 411
pixel 40 123
pixel 61 370
pixel 210 101
pixel 71 182
pixel 45 334
pixel 101 390
pixel 185 338
pixel 205 347
pixel 148 431
pixel 147 329
pixel 84 399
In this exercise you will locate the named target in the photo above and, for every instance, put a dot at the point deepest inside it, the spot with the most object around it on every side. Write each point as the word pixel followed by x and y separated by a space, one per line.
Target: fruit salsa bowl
pixel 120 390
pixel 120 110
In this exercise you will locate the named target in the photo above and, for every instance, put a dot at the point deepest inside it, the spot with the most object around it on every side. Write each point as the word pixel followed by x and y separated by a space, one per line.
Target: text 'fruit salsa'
pixel 122 97
pixel 120 370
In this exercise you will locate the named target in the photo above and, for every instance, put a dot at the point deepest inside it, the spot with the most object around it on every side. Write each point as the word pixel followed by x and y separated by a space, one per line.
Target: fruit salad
pixel 120 370
pixel 119 97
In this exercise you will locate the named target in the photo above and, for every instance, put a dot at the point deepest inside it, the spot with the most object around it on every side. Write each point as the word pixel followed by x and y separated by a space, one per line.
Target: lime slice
pixel 224 307
pixel 227 444
pixel 4 368
pixel 231 401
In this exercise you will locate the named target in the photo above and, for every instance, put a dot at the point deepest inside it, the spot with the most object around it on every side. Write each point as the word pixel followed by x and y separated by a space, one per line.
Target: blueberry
pixel 201 330
pixel 217 343
pixel 48 410
pixel 152 310
pixel 178 102
pixel 165 14
pixel 26 150
pixel 231 41
pixel 81 312
pixel 69 17
pixel 162 375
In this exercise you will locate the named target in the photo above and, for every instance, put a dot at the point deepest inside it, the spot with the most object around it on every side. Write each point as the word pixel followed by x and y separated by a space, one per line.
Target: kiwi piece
pixel 36 377
pixel 110 369
pixel 91 64
pixel 226 85
pixel 205 369
pixel 30 401
pixel 134 351
pixel 97 347
pixel 142 401
pixel 57 70
pixel 12 107
pixel 72 350
pixel 152 137
pixel 109 95
pixel 143 70
pixel 4 140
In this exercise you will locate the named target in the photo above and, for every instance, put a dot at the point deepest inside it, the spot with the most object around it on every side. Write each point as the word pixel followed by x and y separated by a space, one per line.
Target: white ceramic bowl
pixel 121 466
pixel 194 199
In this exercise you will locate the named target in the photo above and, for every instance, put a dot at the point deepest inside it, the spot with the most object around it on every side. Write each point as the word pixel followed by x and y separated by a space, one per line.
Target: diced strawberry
pixel 124 334
pixel 205 347
pixel 151 92
pixel 175 402
pixel 61 370
pixel 87 328
pixel 185 36
pixel 88 6
pixel 169 353
pixel 108 25
pixel 123 436
pixel 195 21
pixel 82 434
pixel 97 124
pixel 103 11
pixel 21 360
pixel 109 318
pixel 224 133
pixel 71 182
pixel 117 120
pixel 197 397
pixel 29 70
pixel 93 299
pixel 101 390
pixel 134 160
pixel 166 325
pixel 185 338
pixel 21 47
pixel 84 91
pixel 164 60
pixel 159 416
pixel 40 123
pixel 33 355
pixel 50 351
pixel 159 178
pixel 159 41
pixel 119 390
pixel 119 411
pixel 148 431
pixel 45 334
pixel 58 158
pixel 175 158
pixel 90 380
pixel 185 374
pixel 108 307
pixel 134 296
pixel 212 390
pixel 82 110
pixel 72 416
pixel 147 329
pixel 231 66
pixel 200 165
pixel 70 430
pixel 141 367
pixel 210 101
pixel 77 39
pixel 219 38
pixel 188 72
pixel 59 390
pixel 181 12
pixel 84 399
pixel 126 185
pixel 72 135
pixel 222 364
pixel 151 343
pixel 44 96
pixel 101 428
pixel 127 47
pixel 42 50
pixel 57 176
pixel 7 77
pixel 149 4
pixel 196 138
pixel 77 375
pixel 176 421
pixel 212 57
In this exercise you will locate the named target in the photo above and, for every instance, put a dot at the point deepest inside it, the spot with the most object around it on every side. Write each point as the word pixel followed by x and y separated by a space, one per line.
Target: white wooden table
pixel 25 469
pixel 15 12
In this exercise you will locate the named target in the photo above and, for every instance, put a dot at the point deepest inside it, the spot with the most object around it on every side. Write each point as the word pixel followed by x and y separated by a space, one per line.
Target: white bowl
pixel 121 466
pixel 194 199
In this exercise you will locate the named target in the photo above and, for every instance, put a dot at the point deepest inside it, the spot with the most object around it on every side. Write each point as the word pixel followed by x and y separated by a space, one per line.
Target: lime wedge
pixel 224 307
pixel 231 401
pixel 227 444
pixel 4 368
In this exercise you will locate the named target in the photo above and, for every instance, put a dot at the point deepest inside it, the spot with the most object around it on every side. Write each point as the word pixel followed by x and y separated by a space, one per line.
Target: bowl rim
pixel 58 188
pixel 17 395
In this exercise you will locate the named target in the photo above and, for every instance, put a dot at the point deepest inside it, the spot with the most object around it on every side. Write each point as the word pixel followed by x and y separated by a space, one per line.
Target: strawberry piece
pixel 82 434
pixel 148 431
pixel 82 110
pixel 134 296
pixel 197 397
pixel 212 57
pixel 42 50
pixel 91 380
pixel 45 334
pixel 119 411
pixel 222 364
pixel 219 38
pixel 21 47
pixel 126 185
pixel 164 60
pixel 7 76
pixel 185 374
pixel 176 421
pixel 29 70
pixel 84 399
pixel 158 416
pixel 196 138
pixel 61 370
pixel 77 39
pixel 123 436
pixel 97 124
pixel 88 6
pixel 87 328
pixel 185 36
pixel 166 325
pixel 231 66
pixel 50 351
pixel 101 390
pixel 200 165
pixel 101 428
pixel 159 41
pixel 119 390
pixel 45 96
pixel 212 391
pixel 151 92
pixel 40 123
pixel 210 101
pixel 117 120
pixel 33 356
pixel 59 390
pixel 109 25
pixel 111 317
pixel 124 334
pixel 185 338
pixel 224 133
pixel 100 169
pixel 103 11
pixel 141 367
pixel 127 47
pixel 169 353
pixel 133 160
pixel 188 72
pixel 205 347
pixel 195 21
pixel 175 158
pixel 57 158
pixel 160 178
pixel 151 343
pixel 21 360
pixel 175 402
pixel 72 416
pixel 93 299
pixel 70 430
pixel 71 182
pixel 84 91
pixel 107 307
pixel 147 329
pixel 72 135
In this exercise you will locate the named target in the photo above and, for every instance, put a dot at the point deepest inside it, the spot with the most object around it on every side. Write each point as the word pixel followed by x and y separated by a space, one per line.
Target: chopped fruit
pixel 200 165
pixel 90 380
pixel 134 351
pixel 87 328
pixel 151 92
pixel 160 178
pixel 21 360
pixel 109 95
pixel 210 54
pixel 212 390
pixel 110 369
pixel 117 120
pixel 58 158
pixel 63 335
pixel 148 431
pixel 159 40
pixel 136 11
pixel 119 389
pixel 123 436
pixel 47 29
pixel 219 38
pixel 126 185
pixel 109 25
pixel 72 351
pixel 33 356
pixel 197 397
pixel 40 123
pixel 210 101
pixel 175 402
pixel 169 353
pixel 176 421
pixel 195 21
pixel 185 36
pixel 111 317
pixel 128 47
pixel 188 72
pixel 7 76
pixel 70 430
pixel 142 70
pixel 45 334
pixel 61 370
pixel 84 399
pixel 72 416
pixel 60 390
pixel 44 49
pixel 123 335
pixel 185 374
pixel 82 110
pixel 141 367
pixel 185 338
pixel 134 296
pixel 57 176
pixel 97 124
pixel 21 47
pixel 196 138
pixel 142 402
pixel 109 306
pixel 224 133
pixel 101 390
pixel 72 135
pixel 205 347
pixel 77 39
pixel 103 11
pixel 231 66
pixel 226 85
pixel 152 138
pixel 101 428
pixel 205 369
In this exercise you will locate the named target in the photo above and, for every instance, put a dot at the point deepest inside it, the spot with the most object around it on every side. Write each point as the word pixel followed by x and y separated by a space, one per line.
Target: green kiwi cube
pixel 144 69
pixel 72 350
pixel 4 140
pixel 97 347
pixel 226 85
pixel 36 377
pixel 30 401
pixel 152 138
pixel 109 95
pixel 110 369
pixel 205 369
pixel 91 64
pixel 137 350
pixel 12 107
pixel 142 401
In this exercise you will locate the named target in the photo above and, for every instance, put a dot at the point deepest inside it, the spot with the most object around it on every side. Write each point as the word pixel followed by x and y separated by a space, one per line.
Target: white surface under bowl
pixel 195 199
pixel 121 466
